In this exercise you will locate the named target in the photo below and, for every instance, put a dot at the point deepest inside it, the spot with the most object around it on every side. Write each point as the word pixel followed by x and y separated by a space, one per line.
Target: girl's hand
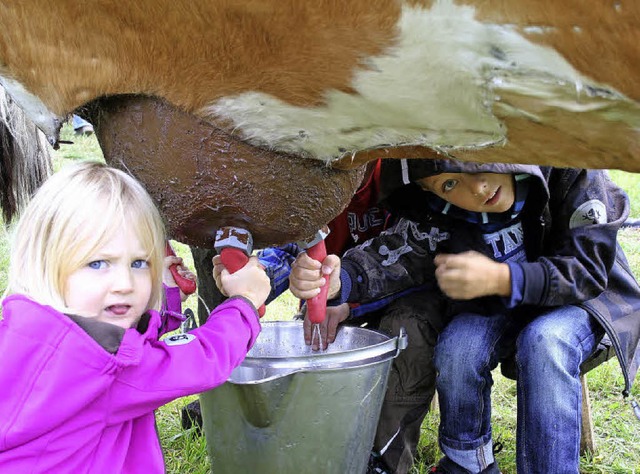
pixel 251 282
pixel 167 277
pixel 217 270
pixel 469 275
pixel 308 276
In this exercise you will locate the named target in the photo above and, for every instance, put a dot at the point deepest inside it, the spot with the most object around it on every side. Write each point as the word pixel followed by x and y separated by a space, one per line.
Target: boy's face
pixel 115 285
pixel 480 192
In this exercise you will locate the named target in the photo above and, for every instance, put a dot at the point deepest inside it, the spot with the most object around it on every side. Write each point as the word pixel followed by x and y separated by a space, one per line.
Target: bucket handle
pixel 403 341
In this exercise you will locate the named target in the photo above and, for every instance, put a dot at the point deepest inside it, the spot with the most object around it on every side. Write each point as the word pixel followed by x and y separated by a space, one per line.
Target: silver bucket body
pixel 288 409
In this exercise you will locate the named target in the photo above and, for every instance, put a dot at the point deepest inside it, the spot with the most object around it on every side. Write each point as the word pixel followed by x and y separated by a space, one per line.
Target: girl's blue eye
pixel 140 264
pixel 97 264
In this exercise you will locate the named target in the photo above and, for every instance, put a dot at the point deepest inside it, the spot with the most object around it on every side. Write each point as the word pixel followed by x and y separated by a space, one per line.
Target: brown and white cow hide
pixel 341 83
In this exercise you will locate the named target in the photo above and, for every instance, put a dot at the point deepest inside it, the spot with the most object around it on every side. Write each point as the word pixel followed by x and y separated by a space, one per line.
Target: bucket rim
pixel 321 360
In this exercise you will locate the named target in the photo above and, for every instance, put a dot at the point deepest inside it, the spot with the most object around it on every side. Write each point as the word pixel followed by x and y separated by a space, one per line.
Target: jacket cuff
pixel 517 285
pixel 254 323
pixel 345 289
pixel 173 302
pixel 535 283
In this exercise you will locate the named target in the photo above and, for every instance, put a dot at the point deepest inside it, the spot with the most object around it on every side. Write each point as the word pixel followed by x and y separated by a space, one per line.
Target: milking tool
pixel 317 306
pixel 186 285
pixel 235 245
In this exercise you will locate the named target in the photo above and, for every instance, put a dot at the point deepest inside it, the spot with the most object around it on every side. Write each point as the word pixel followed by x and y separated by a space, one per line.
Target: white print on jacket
pixel 403 228
pixel 179 339
pixel 589 213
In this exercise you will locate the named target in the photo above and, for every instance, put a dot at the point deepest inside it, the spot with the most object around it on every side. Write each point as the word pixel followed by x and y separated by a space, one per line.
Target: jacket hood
pixel 402 175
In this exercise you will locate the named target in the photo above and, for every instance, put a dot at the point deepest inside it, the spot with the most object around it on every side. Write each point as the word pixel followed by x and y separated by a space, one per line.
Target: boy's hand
pixel 308 276
pixel 167 277
pixel 251 282
pixel 328 327
pixel 469 275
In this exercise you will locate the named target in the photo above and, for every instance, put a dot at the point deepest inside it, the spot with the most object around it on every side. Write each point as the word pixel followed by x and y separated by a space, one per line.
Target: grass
pixel 617 431
pixel 629 182
pixel 4 257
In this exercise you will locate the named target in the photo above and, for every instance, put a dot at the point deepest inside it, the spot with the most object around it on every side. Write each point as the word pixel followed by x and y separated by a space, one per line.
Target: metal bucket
pixel 288 409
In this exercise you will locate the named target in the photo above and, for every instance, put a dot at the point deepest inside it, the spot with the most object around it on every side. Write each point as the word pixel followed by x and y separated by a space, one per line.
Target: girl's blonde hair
pixel 74 213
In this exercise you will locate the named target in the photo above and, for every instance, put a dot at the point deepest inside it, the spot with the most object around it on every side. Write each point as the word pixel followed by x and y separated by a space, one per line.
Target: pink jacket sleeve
pixel 156 372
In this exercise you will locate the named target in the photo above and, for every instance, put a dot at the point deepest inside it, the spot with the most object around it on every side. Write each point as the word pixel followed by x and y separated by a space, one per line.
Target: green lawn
pixel 616 429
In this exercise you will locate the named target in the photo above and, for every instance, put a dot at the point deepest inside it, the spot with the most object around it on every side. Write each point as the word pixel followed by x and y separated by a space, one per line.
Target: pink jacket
pixel 81 399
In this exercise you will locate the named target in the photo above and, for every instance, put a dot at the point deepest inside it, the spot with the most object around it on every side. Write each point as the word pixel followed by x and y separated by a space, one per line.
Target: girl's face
pixel 115 285
pixel 479 192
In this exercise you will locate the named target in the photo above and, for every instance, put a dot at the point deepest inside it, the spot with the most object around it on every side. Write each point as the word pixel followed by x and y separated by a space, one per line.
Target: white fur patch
pixel 436 86
pixel 589 213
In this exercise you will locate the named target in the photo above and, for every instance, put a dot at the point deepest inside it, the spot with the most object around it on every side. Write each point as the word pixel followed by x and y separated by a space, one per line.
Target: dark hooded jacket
pixel 570 220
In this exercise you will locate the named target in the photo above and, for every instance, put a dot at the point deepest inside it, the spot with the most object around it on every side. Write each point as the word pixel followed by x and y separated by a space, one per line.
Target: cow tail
pixel 25 157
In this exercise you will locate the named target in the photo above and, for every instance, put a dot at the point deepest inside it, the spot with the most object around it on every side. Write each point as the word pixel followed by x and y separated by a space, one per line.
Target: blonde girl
pixel 83 366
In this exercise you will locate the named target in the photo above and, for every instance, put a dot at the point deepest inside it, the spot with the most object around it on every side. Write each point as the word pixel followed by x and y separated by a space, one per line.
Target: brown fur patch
pixel 68 53
pixel 600 38
pixel 190 53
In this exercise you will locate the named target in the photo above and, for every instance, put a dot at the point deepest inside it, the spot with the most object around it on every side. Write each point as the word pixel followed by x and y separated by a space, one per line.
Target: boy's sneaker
pixel 447 466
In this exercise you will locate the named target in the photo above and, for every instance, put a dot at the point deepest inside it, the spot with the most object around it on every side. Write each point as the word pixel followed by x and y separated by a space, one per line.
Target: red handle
pixel 186 285
pixel 317 306
pixel 234 259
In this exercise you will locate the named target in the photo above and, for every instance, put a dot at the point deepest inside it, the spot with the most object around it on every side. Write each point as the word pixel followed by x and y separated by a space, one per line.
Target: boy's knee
pixel 540 337
pixel 455 342
pixel 461 351
pixel 542 343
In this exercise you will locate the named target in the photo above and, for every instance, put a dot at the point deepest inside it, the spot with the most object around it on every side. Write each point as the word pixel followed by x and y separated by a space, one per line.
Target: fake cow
pixel 261 113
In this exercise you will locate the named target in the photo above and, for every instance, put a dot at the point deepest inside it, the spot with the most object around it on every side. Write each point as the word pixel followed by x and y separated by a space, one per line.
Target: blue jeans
pixel 549 350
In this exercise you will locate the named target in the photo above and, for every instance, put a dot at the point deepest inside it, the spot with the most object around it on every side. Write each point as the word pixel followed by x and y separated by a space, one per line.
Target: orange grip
pixel 186 285
pixel 234 259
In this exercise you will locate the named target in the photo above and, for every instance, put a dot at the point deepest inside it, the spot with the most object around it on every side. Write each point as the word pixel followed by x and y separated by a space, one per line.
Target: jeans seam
pixel 481 459
pixel 486 367
pixel 522 413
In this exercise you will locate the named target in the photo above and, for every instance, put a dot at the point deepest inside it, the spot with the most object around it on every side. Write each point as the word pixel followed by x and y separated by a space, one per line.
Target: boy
pixel 482 235
pixel 406 403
